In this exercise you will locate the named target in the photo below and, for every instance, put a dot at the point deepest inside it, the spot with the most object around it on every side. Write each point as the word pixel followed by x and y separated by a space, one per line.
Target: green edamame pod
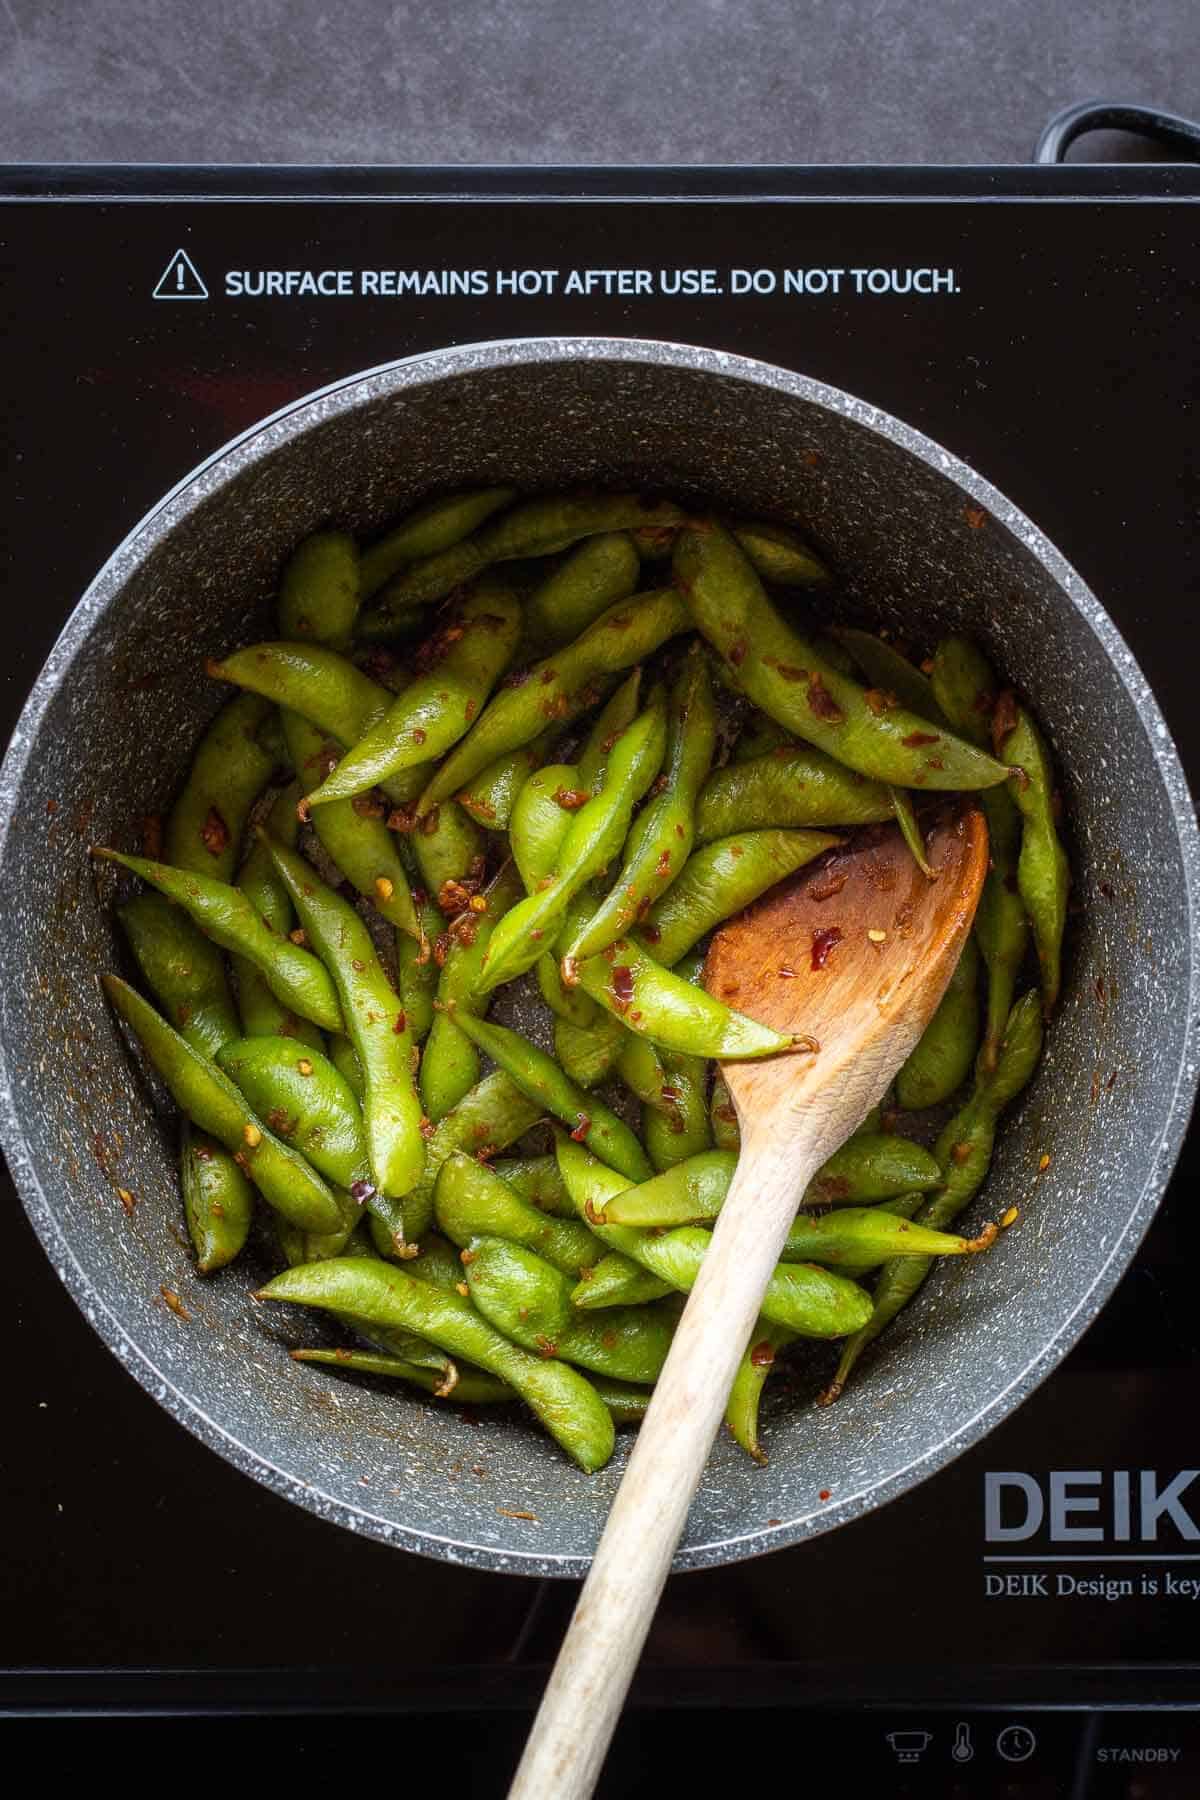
pixel 561 687
pixel 786 676
pixel 541 819
pixel 448 846
pixel 457 669
pixel 967 691
pixel 890 672
pixel 675 1123
pixel 721 879
pixel 780 555
pixel 416 971
pixel 183 971
pixel 941 1059
pixel 352 832
pixel 615 717
pixel 491 1117
pixel 536 1179
pixel 212 1103
pixel 759 736
pixel 540 1077
pixel 218 1201
pixel 787 788
pixel 809 1300
pixel 491 797
pixel 450 1062
pixel 304 1100
pixel 593 838
pixel 262 1014
pixel 603 570
pixel 689 1192
pixel 640 1067
pixel 432 528
pixel 910 829
pixel 320 684
pixel 379 1292
pixel 617 1281
pixel 657 1004
pixel 319 589
pixel 964 1154
pixel 661 841
pixel 1043 874
pixel 536 528
pixel 294 976
pixel 867 1236
pixel 589 1053
pixel 466 1389
pixel 871 1166
pixel 344 1057
pixel 471 1201
pixel 741 1414
pixel 529 1300
pixel 346 1239
pixel 374 1022
pixel 228 772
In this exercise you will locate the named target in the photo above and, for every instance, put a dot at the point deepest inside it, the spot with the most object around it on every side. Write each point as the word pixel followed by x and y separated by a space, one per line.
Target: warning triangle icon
pixel 180 280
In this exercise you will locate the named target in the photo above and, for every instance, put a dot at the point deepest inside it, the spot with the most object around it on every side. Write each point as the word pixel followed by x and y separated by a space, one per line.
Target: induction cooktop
pixel 1025 1621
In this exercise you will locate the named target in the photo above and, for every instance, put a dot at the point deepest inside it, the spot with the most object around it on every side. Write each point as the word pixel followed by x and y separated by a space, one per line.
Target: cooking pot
pixel 920 543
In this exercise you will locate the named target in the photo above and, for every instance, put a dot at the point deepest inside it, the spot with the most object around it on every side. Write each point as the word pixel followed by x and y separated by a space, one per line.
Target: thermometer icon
pixel 962 1749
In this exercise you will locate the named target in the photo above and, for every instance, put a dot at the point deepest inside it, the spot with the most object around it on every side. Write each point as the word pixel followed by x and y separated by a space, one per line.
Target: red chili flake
pixel 1005 719
pixel 557 707
pixel 214 833
pixel 960 1152
pixel 175 1303
pixel 357 966
pixel 825 1494
pixel 584 1125
pixel 401 1025
pixel 823 942
pixel 791 672
pixel 821 702
pixel 571 799
pixel 441 948
pixel 935 762
pixel 763 1355
pixel 879 700
pixel 663 865
pixel 635 1018
pixel 455 896
pixel 52 807
pixel 671 1094
pixel 279 1121
pixel 517 679
pixel 1111 1083
pixel 429 822
pixel 652 934
pixel 418 736
pixel 548 675
pixel 975 516
pixel 725 1113
pixel 127 1200
pixel 426 1127
pixel 404 818
pixel 361 1192
pixel 486 1152
pixel 915 739
pixel 368 807
pixel 622 985
pixel 736 851
pixel 737 653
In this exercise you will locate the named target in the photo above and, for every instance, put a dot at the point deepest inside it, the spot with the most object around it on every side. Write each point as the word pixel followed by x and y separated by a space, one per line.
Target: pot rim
pixel 346 394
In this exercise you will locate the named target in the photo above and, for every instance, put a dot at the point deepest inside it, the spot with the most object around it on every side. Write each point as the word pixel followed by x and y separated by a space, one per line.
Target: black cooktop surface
pixel 1043 326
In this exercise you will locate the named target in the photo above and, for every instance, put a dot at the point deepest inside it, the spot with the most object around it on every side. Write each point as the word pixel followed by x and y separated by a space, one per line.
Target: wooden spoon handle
pixel 600 1652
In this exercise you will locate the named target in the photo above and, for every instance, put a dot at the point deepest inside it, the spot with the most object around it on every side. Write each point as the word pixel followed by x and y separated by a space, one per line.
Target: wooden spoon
pixel 854 955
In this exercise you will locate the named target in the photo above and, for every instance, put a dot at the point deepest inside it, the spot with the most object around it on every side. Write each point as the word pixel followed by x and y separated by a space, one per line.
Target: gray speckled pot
pixel 920 540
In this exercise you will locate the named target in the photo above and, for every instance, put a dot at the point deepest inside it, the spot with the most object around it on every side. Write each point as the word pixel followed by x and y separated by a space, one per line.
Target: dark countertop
pixel 762 81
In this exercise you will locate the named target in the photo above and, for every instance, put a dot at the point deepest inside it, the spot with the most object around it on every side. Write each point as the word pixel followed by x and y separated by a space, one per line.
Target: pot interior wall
pixel 912 550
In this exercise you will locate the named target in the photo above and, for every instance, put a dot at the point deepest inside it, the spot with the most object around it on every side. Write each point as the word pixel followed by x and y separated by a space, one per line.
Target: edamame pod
pixel 614 718
pixel 787 788
pixel 741 1414
pixel 1043 874
pixel 808 1300
pixel 471 1201
pixel 780 555
pixel 218 1201
pixel 456 670
pixel 529 1300
pixel 593 838
pixel 661 841
pixel 448 846
pixel 490 798
pixel 432 528
pixel 536 1179
pixel 379 1292
pixel 305 1101
pixel 589 1053
pixel 296 978
pixel 650 1000
pixel 890 672
pixel 941 1059
pixel 722 1116
pixel 786 676
pixel 541 819
pixel 536 528
pixel 491 1117
pixel 449 1383
pixel 352 832
pixel 228 772
pixel 540 1077
pixel 319 589
pixel 603 570
pixel 450 1062
pixel 560 687
pixel 375 1023
pixel 262 1014
pixel 210 1100
pixel 183 971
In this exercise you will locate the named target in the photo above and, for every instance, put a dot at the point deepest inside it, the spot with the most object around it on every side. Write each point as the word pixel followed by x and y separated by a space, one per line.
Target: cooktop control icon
pixel 962 1749
pixel 909 1746
pixel 1016 1743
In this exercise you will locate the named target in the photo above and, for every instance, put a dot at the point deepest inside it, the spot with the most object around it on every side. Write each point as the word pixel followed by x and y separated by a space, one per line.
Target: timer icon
pixel 1016 1743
